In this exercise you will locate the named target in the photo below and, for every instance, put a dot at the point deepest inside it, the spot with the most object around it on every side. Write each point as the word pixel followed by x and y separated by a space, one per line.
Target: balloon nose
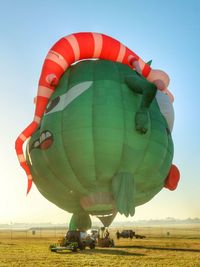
pixel 173 178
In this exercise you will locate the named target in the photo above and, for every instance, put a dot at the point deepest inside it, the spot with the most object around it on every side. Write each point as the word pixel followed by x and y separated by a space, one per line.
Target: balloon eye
pixel 52 104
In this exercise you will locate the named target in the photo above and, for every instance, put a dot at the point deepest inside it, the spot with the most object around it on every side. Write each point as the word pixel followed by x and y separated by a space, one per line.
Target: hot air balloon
pixel 102 143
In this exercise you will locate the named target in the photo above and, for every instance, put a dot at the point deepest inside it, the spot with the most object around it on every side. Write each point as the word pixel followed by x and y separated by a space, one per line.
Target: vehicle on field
pixel 104 239
pixel 74 240
pixel 128 234
pixel 94 233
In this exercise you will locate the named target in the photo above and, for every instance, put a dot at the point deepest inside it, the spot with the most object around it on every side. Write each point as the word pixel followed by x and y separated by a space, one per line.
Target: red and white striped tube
pixel 68 50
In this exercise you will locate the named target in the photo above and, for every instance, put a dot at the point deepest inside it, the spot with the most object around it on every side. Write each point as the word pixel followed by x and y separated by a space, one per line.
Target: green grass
pixel 152 251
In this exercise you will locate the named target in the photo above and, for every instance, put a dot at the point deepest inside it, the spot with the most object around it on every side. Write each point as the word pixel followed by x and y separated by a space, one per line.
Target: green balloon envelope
pixel 87 156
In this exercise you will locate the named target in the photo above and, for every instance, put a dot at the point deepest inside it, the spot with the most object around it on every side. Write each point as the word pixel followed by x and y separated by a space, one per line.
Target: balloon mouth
pixel 107 219
pixel 98 203
pixel 44 141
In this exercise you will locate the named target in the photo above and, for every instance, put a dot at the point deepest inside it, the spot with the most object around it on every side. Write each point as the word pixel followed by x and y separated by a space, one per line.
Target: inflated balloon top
pixel 101 134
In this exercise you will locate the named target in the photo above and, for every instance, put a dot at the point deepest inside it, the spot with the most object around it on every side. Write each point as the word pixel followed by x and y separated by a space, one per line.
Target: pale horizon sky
pixel 168 32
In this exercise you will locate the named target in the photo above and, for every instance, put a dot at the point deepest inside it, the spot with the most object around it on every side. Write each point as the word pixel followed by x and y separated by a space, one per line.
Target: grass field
pixel 162 247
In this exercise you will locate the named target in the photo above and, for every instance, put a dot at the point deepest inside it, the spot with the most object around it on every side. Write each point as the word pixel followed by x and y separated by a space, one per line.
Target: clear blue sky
pixel 166 31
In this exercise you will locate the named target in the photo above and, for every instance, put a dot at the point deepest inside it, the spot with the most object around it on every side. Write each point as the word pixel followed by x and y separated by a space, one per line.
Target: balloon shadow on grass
pixel 108 251
pixel 161 248
pixel 112 251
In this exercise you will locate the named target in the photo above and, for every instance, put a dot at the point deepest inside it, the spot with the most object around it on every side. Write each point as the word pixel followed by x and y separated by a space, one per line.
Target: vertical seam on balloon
pixel 93 132
pixel 150 136
pixel 62 181
pixel 145 150
pixel 164 158
pixel 122 101
pixel 147 146
pixel 167 150
pixel 66 154
pixel 124 205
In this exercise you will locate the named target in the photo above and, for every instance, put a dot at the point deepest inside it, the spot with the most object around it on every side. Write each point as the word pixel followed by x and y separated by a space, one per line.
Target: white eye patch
pixel 61 102
pixel 166 108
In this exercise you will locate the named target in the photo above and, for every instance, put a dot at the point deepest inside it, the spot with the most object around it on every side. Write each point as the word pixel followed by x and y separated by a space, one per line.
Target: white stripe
pixel 75 45
pixel 135 63
pixel 141 63
pixel 75 91
pixel 44 91
pixel 121 53
pixel 57 58
pixel 21 158
pixel 37 119
pixel 22 137
pixel 98 44
pixel 166 108
pixel 30 177
pixel 71 95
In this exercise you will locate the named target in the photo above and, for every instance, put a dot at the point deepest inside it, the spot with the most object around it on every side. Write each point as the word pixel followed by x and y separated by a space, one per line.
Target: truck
pixel 128 234
pixel 74 240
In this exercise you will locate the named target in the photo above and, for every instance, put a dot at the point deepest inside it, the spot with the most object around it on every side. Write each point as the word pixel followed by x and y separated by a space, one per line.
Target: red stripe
pixel 64 48
pixel 41 106
pixel 86 44
pixel 50 67
pixel 30 129
pixel 18 146
pixel 110 50
pixel 29 186
pixel 127 54
pixel 27 132
pixel 25 167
